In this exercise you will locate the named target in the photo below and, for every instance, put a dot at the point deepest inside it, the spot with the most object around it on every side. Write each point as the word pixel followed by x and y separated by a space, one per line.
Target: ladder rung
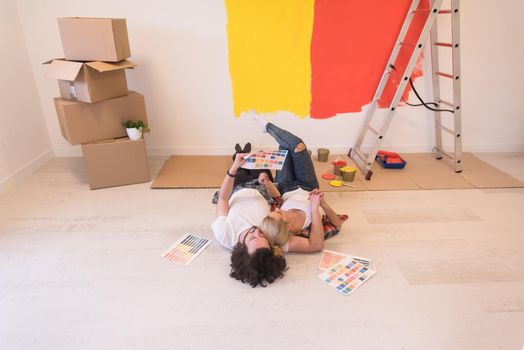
pixel 447 103
pixel 428 15
pixel 443 44
pixel 446 129
pixel 359 163
pixel 360 155
pixel 446 75
pixel 445 153
pixel 373 130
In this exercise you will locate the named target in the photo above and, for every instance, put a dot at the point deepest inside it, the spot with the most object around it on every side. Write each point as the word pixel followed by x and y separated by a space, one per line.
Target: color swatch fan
pixel 330 258
pixel 347 275
pixel 186 249
pixel 273 160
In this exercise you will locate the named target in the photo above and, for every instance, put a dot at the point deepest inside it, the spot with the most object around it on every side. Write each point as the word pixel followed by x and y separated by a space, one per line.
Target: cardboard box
pixel 89 122
pixel 116 162
pixel 94 39
pixel 89 81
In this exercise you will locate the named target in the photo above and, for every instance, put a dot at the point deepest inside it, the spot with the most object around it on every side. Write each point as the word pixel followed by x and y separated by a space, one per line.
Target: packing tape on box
pixel 72 90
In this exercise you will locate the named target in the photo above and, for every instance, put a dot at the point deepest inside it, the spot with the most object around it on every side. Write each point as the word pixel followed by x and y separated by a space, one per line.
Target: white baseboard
pixel 75 151
pixel 26 170
pixel 470 148
pixel 334 149
pixel 338 149
pixel 493 148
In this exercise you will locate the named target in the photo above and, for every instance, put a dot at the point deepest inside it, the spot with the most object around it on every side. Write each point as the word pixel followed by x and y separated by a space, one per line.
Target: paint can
pixel 337 165
pixel 348 173
pixel 323 154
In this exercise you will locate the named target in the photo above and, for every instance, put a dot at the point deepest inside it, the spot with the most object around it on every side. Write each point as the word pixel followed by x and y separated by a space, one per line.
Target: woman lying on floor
pixel 298 226
pixel 258 238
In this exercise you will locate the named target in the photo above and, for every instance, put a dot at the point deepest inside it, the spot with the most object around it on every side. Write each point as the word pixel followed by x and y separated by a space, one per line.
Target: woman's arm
pixel 315 241
pixel 331 215
pixel 227 185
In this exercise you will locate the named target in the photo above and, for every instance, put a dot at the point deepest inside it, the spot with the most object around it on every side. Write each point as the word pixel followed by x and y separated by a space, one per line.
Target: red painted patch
pixel 351 44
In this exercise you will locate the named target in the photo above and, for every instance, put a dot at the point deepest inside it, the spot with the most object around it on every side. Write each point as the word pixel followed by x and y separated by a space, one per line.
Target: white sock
pixel 260 121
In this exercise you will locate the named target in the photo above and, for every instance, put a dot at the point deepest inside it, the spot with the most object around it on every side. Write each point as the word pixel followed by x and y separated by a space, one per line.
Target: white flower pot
pixel 134 133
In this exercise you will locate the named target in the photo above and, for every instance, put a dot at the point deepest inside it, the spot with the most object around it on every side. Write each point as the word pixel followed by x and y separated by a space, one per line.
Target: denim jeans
pixel 298 170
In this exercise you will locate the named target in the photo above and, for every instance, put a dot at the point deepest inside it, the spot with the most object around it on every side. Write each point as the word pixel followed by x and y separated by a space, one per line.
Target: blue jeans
pixel 298 170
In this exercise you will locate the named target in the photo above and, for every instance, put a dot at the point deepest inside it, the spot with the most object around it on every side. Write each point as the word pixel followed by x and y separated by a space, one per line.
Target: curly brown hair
pixel 263 266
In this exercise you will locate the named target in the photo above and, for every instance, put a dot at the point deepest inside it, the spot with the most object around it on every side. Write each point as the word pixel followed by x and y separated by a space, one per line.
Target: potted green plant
pixel 135 129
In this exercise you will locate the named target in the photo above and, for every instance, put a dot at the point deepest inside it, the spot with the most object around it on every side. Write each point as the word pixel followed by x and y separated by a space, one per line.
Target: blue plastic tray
pixel 383 160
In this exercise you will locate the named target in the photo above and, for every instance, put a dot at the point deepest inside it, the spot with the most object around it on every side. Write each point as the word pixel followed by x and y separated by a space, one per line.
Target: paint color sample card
pixel 273 160
pixel 330 258
pixel 347 275
pixel 186 249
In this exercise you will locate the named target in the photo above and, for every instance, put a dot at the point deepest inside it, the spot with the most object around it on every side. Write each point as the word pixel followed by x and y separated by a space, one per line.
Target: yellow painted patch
pixel 269 54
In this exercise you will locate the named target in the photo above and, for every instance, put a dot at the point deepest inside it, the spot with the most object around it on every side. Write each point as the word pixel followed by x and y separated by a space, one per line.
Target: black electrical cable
pixel 419 104
pixel 425 104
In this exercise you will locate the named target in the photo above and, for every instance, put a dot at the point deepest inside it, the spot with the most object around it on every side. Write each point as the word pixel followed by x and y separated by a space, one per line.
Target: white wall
pixel 181 49
pixel 24 139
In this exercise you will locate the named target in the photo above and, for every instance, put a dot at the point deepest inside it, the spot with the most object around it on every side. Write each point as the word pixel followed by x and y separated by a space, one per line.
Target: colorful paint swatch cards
pixel 330 258
pixel 273 160
pixel 346 275
pixel 187 248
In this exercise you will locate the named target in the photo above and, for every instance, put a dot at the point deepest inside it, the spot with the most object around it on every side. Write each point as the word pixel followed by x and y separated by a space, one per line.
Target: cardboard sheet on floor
pixel 431 174
pixel 389 180
pixel 382 180
pixel 327 167
pixel 192 172
pixel 421 172
pixel 482 175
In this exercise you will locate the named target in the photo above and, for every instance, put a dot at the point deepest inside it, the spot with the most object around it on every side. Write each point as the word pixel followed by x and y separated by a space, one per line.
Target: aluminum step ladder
pixel 365 161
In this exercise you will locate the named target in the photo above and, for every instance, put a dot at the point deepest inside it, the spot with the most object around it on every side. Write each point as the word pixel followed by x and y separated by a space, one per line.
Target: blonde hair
pixel 275 230
pixel 277 250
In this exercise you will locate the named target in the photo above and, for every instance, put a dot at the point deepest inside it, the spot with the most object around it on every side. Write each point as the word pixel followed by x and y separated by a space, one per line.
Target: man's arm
pixel 270 187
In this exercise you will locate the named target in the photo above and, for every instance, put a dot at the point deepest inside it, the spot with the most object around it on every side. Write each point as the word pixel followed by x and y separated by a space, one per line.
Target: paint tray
pixel 391 161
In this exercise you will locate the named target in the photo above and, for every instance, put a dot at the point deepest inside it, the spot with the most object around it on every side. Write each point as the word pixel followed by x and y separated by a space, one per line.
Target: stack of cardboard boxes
pixel 95 100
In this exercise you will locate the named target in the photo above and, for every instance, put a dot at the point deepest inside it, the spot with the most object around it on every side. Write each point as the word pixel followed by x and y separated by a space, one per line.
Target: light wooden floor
pixel 81 269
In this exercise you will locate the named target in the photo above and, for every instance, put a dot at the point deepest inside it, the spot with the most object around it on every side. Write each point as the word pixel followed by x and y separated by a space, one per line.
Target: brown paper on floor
pixel 482 175
pixel 390 179
pixel 423 171
pixel 193 172
pixel 327 167
pixel 432 174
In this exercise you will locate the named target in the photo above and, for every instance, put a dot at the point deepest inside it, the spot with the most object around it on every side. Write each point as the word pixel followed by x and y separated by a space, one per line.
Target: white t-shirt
pixel 247 207
pixel 298 199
